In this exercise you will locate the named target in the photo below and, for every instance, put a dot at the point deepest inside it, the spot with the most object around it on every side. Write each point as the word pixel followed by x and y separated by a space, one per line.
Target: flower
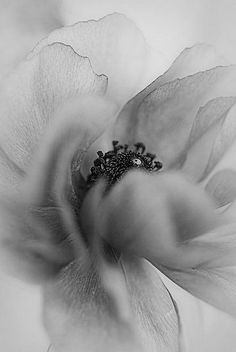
pixel 56 114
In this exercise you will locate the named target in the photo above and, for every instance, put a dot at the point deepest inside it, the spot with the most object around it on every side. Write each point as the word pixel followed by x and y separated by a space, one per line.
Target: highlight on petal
pixel 222 187
pixel 114 46
pixel 198 58
pixel 165 117
pixel 39 233
pixel 173 224
pixel 38 87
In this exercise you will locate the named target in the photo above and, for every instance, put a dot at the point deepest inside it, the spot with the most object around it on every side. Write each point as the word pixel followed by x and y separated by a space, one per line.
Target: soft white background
pixel 169 26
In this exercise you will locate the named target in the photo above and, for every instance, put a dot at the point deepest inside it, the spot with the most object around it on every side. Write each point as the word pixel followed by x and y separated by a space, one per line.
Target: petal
pixel 30 96
pixel 173 224
pixel 222 187
pixel 109 45
pixel 39 233
pixel 78 313
pixel 223 141
pixel 165 117
pixel 11 175
pixel 208 115
pixel 126 201
pixel 212 132
pixel 200 57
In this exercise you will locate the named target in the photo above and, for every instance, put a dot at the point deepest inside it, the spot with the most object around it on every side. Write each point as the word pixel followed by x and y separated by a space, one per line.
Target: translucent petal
pixel 207 115
pixel 224 139
pixel 198 58
pixel 30 96
pixel 173 224
pixel 165 117
pixel 211 124
pixel 109 45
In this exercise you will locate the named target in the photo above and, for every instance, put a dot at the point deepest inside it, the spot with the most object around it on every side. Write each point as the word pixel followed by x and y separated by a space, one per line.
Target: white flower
pixel 56 112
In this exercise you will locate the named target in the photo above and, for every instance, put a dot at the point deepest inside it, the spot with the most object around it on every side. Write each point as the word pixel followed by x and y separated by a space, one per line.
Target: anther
pixel 158 165
pixel 115 163
pixel 140 146
pixel 151 156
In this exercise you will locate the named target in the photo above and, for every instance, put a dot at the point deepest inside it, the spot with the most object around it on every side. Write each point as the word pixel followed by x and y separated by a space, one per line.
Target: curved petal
pixel 39 234
pixel 109 45
pixel 172 223
pixel 198 58
pixel 165 117
pixel 30 96
pixel 79 315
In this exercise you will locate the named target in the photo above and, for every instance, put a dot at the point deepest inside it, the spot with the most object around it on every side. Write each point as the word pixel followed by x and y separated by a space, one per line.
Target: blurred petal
pixel 172 223
pixel 109 45
pixel 222 187
pixel 39 233
pixel 133 198
pixel 165 117
pixel 30 96
pixel 85 316
pixel 198 58
pixel 22 24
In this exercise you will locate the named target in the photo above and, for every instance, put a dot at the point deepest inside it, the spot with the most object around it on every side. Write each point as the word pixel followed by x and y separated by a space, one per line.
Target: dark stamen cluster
pixel 115 163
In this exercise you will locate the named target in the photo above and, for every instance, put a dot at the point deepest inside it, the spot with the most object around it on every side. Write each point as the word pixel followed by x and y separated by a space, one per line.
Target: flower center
pixel 116 162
